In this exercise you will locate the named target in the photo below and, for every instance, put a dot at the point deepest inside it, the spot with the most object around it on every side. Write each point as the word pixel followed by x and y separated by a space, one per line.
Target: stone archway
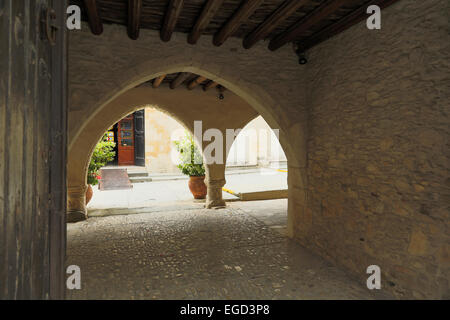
pixel 259 99
pixel 101 70
pixel 181 104
pixel 184 106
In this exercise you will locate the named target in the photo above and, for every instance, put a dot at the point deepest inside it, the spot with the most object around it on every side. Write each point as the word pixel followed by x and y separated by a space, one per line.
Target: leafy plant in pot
pixel 191 164
pixel 103 153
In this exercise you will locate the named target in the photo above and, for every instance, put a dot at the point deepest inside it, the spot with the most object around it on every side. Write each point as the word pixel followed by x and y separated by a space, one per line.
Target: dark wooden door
pixel 139 138
pixel 126 141
pixel 33 125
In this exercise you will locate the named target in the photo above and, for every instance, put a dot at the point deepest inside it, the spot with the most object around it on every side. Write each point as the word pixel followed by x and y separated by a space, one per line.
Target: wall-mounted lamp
pixel 221 90
pixel 301 54
pixel 302 58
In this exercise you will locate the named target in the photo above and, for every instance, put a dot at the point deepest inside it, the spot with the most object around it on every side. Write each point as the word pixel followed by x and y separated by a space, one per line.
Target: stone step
pixel 140 179
pixel 138 174
pixel 278 164
pixel 169 177
pixel 240 167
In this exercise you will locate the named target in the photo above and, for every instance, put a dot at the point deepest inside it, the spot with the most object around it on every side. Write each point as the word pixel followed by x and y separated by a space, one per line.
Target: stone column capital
pixel 74 190
pixel 219 183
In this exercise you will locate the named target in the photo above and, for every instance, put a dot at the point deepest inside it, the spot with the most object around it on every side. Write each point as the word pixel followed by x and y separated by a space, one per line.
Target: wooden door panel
pixel 58 156
pixel 32 152
pixel 139 137
pixel 126 141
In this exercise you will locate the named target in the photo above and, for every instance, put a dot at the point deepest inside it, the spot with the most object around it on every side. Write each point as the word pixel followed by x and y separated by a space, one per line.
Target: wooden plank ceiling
pixel 302 22
pixel 188 80
pixel 305 23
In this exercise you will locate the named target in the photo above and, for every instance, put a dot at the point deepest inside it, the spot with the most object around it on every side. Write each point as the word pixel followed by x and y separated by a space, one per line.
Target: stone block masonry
pixel 378 149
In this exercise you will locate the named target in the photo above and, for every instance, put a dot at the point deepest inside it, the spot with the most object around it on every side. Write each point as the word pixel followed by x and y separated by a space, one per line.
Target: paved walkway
pixel 192 253
pixel 147 194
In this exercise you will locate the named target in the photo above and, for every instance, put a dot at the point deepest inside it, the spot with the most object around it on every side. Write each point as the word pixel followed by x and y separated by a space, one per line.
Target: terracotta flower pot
pixel 89 194
pixel 198 187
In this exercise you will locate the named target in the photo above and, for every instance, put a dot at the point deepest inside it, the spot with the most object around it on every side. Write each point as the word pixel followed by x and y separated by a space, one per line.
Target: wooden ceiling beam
pixel 288 8
pixel 318 14
pixel 170 20
pixel 209 11
pixel 157 82
pixel 134 18
pixel 211 84
pixel 194 83
pixel 339 26
pixel 247 8
pixel 182 76
pixel 95 22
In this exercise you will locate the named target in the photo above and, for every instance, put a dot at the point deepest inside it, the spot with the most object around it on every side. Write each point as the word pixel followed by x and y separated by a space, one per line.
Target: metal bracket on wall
pixel 48 26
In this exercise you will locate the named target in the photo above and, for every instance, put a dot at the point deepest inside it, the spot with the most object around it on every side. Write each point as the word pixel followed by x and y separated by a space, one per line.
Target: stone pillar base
pixel 76 204
pixel 214 196
pixel 75 216
pixel 215 204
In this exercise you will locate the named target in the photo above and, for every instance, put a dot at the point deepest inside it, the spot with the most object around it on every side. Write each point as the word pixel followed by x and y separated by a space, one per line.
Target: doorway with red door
pixel 129 135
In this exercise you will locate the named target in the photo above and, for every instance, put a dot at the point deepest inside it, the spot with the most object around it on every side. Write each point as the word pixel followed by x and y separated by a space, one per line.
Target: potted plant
pixel 103 153
pixel 191 164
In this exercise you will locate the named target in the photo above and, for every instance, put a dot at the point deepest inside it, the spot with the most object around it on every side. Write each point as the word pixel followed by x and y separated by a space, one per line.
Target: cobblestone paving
pixel 200 254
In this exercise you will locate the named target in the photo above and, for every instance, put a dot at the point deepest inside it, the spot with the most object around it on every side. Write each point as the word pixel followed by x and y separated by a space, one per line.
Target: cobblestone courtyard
pixel 186 252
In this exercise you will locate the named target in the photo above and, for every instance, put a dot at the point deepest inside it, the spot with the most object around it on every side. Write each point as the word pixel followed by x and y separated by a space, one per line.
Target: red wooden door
pixel 126 141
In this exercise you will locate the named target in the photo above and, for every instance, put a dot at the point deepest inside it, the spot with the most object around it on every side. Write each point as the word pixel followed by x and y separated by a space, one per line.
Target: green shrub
pixel 103 153
pixel 191 160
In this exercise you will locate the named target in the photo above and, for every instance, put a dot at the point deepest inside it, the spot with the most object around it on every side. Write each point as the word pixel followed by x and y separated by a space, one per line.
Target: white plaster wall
pixel 256 144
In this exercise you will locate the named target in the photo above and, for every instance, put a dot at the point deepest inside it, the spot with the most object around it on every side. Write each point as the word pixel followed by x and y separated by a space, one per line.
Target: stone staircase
pixel 138 175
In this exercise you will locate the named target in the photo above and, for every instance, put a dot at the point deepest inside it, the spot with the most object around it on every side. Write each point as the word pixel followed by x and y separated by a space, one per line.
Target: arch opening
pixel 133 92
pixel 141 96
pixel 256 172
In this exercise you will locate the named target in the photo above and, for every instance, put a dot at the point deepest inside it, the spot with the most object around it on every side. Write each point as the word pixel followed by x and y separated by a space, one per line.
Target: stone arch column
pixel 215 180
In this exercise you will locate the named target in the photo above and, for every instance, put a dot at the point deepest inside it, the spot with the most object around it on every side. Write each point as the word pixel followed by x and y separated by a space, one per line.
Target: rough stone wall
pixel 378 149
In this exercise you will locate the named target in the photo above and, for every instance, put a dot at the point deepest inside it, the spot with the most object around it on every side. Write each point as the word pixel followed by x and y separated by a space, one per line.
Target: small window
pixel 125 134
pixel 126 143
pixel 126 125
